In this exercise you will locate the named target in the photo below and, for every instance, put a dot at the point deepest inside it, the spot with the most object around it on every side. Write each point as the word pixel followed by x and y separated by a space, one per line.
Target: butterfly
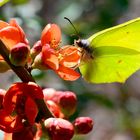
pixel 111 55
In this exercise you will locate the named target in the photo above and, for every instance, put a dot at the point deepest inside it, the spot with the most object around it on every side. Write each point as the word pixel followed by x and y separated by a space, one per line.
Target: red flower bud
pixel 38 64
pixel 67 102
pixel 19 54
pixel 59 129
pixel 83 125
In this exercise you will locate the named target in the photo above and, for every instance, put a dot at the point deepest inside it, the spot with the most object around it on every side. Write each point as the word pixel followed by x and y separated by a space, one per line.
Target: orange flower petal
pixel 71 56
pixel 67 73
pixel 10 36
pixel 51 35
pixel 21 32
pixel 3 24
pixel 49 57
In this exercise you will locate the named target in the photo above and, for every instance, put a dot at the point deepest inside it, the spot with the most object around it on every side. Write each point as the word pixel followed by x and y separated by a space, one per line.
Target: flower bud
pixel 36 49
pixel 59 129
pixel 67 102
pixel 83 125
pixel 19 54
pixel 37 63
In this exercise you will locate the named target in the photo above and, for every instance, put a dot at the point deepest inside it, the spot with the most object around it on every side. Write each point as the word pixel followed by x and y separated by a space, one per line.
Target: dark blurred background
pixel 115 107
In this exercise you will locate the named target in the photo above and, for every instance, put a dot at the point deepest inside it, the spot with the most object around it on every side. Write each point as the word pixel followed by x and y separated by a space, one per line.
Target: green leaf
pixel 116 53
pixel 2 2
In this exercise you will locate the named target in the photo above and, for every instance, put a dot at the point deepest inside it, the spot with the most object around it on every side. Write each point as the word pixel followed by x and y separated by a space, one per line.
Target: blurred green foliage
pixel 88 17
pixel 2 2
pixel 19 2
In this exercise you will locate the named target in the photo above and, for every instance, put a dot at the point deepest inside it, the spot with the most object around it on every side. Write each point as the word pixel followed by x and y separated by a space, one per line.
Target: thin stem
pixel 26 77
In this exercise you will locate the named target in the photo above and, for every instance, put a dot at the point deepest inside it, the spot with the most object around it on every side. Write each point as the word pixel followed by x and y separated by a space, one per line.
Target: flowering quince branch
pixel 27 111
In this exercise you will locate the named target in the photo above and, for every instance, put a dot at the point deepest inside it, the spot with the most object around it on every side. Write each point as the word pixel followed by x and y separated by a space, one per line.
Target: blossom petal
pixel 54 109
pixel 26 134
pixel 71 56
pixel 21 32
pixel 10 36
pixel 49 57
pixel 10 124
pixel 30 89
pixel 31 110
pixel 51 35
pixel 3 24
pixel 67 73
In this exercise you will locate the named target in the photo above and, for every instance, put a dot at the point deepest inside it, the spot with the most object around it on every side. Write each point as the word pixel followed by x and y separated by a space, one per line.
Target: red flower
pixel 11 34
pixel 62 60
pixel 19 105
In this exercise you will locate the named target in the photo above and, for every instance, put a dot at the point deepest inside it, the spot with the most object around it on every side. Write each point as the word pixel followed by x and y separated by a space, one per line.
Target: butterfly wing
pixel 116 54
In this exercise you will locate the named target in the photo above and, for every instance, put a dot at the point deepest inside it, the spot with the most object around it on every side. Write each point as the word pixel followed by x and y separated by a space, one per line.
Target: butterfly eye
pixel 51 35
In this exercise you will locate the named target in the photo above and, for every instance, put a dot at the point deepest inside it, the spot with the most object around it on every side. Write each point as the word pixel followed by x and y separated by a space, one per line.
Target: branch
pixel 26 77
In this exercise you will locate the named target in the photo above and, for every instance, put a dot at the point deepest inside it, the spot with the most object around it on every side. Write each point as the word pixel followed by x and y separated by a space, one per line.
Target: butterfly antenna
pixel 77 33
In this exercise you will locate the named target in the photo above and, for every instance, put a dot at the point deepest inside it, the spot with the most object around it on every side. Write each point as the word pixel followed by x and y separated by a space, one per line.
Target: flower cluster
pixel 62 104
pixel 18 108
pixel 48 55
pixel 23 105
